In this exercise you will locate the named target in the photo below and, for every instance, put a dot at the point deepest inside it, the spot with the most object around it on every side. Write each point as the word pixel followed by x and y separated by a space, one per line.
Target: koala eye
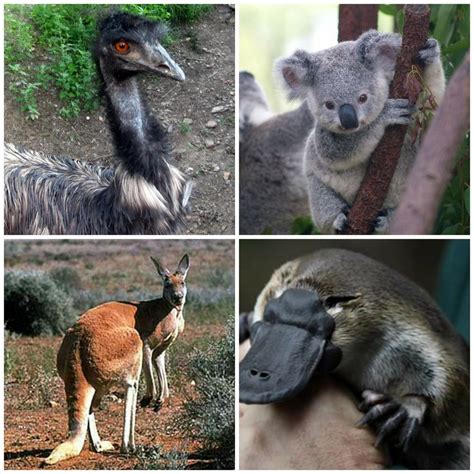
pixel 362 98
pixel 329 105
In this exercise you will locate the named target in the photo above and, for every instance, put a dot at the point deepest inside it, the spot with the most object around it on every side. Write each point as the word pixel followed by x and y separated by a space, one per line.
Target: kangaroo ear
pixel 162 271
pixel 379 50
pixel 183 265
pixel 296 73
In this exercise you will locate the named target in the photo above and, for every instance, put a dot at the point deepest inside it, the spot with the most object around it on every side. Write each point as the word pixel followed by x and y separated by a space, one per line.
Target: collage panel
pixel 119 119
pixel 128 343
pixel 359 355
pixel 136 248
pixel 336 102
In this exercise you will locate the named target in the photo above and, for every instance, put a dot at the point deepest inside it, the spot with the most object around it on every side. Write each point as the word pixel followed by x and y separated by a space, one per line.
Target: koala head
pixel 346 85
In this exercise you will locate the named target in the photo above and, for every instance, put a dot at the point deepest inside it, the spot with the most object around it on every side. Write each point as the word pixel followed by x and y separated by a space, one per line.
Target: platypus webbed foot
pixel 397 421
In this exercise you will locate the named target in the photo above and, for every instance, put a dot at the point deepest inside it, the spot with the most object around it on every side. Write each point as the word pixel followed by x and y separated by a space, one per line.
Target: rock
pixel 52 403
pixel 189 170
pixel 188 121
pixel 209 143
pixel 193 383
pixel 226 175
pixel 217 109
pixel 170 128
pixel 216 168
pixel 211 124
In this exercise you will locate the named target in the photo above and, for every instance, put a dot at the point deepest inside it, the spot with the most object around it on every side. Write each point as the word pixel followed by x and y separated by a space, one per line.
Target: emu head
pixel 129 44
pixel 174 284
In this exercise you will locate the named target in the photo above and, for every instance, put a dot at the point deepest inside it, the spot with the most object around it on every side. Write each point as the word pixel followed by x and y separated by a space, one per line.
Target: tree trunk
pixel 355 20
pixel 373 190
pixel 435 160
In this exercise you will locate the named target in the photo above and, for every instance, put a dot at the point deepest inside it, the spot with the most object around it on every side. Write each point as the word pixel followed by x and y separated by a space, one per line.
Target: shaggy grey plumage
pixel 143 194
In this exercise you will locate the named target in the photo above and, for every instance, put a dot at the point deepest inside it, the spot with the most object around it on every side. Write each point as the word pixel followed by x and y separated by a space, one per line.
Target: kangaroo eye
pixel 122 47
pixel 329 105
pixel 362 98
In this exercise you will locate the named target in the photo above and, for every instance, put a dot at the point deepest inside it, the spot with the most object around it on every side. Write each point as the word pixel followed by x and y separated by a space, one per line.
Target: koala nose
pixel 348 117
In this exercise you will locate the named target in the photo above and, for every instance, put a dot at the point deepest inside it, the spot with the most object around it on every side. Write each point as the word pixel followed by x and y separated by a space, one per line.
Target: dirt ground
pixel 205 51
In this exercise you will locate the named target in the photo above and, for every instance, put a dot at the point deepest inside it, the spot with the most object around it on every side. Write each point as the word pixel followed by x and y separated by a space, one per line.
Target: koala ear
pixel 296 73
pixel 379 50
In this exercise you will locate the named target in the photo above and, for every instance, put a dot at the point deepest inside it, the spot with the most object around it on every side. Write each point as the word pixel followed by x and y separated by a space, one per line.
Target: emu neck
pixel 139 140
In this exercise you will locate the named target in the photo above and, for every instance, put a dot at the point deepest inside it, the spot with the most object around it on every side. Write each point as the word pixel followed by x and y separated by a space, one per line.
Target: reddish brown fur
pixel 105 348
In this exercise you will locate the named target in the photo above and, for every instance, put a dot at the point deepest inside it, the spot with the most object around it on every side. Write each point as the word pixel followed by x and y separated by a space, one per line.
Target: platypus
pixel 342 312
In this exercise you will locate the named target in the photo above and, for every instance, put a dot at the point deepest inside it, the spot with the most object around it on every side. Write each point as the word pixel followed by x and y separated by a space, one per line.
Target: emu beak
pixel 166 66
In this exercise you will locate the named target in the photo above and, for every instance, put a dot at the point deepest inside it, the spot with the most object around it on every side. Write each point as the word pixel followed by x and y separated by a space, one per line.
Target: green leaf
pixel 466 200
pixel 445 25
pixel 451 230
pixel 388 9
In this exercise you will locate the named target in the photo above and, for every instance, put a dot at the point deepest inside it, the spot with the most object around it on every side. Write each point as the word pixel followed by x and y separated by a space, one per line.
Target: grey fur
pixel 143 194
pixel 336 156
pixel 395 342
pixel 272 183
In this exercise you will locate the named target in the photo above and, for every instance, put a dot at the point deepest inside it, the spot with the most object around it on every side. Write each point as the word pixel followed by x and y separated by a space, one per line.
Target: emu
pixel 106 347
pixel 143 193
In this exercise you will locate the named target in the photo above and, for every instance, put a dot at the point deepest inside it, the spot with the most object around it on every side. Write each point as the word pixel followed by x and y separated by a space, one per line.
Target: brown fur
pixel 105 348
pixel 394 340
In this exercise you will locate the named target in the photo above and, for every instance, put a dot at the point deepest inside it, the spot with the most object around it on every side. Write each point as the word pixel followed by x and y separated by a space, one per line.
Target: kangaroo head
pixel 174 284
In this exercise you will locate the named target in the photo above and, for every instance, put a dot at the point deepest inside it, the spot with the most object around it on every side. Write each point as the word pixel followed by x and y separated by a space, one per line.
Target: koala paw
pixel 340 222
pixel 429 53
pixel 398 422
pixel 399 111
pixel 382 221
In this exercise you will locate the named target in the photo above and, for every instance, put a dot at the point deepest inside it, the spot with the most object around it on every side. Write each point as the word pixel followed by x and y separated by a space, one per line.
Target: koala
pixel 346 88
pixel 272 189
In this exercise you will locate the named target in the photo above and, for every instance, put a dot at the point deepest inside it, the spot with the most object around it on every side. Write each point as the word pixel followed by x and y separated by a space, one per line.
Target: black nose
pixel 259 374
pixel 348 117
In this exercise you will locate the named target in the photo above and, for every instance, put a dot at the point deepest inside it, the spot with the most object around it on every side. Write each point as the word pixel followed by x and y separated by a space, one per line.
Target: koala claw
pixel 340 222
pixel 399 111
pixel 389 419
pixel 429 53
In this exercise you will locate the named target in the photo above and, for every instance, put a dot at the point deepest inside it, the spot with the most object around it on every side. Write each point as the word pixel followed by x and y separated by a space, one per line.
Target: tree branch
pixel 355 20
pixel 435 160
pixel 373 190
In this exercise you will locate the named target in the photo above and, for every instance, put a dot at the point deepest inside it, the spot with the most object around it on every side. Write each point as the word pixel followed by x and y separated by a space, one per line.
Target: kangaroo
pixel 105 348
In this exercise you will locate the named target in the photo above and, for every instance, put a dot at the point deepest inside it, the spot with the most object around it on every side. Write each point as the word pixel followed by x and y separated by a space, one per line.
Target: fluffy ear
pixel 162 271
pixel 379 50
pixel 183 265
pixel 296 73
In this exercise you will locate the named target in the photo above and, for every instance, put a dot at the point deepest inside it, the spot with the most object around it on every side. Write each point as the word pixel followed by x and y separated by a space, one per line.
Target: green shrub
pixel 61 37
pixel 209 417
pixel 155 458
pixel 67 278
pixel 35 305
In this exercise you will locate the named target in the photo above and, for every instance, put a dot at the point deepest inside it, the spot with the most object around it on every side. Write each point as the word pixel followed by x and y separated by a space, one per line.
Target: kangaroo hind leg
pixel 98 445
pixel 79 400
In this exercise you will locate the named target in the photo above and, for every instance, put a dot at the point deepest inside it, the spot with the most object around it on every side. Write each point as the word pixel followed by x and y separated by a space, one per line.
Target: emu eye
pixel 362 98
pixel 330 105
pixel 122 47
